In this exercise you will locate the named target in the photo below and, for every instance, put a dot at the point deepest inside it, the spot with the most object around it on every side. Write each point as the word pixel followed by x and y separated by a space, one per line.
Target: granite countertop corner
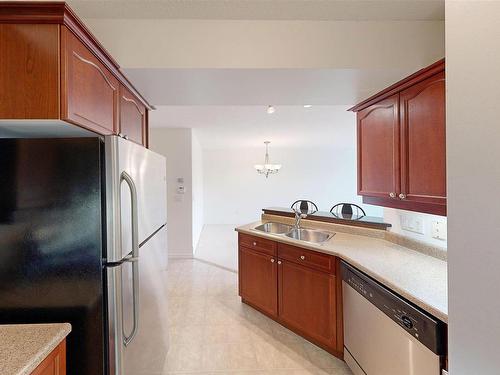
pixel 24 346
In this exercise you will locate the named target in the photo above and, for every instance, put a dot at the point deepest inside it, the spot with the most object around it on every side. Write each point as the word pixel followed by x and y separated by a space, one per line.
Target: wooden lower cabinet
pixel 294 290
pixel 307 302
pixel 55 363
pixel 257 280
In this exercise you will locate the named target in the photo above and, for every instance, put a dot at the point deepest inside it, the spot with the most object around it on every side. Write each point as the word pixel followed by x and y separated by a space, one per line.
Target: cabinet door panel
pixel 258 278
pixel 307 302
pixel 132 117
pixel 89 90
pixel 423 151
pixel 378 148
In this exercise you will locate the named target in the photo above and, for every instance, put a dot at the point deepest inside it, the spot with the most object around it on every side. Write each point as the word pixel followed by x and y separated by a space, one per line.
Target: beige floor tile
pixel 322 359
pixel 284 335
pixel 213 332
pixel 216 357
pixel 186 334
pixel 184 357
pixel 242 356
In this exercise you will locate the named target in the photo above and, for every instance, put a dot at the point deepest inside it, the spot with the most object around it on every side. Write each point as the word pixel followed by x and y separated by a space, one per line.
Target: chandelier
pixel 267 168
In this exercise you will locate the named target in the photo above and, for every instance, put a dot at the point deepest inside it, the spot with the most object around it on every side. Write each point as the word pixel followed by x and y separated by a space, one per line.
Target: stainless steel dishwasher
pixel 386 335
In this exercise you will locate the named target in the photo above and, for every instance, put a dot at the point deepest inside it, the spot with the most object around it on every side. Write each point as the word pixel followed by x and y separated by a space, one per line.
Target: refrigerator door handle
pixel 133 257
pixel 128 258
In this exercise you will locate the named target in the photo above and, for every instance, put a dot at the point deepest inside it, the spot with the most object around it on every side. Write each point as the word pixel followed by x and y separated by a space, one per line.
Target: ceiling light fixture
pixel 267 168
pixel 307 105
pixel 270 109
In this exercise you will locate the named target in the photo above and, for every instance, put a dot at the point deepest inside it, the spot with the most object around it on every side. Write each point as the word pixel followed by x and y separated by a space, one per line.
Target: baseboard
pixel 179 256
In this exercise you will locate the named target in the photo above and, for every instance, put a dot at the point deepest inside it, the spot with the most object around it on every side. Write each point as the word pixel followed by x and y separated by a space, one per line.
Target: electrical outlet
pixel 412 223
pixel 439 230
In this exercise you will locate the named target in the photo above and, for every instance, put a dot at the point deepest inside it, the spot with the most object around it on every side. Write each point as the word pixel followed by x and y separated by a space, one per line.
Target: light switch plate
pixel 412 223
pixel 439 230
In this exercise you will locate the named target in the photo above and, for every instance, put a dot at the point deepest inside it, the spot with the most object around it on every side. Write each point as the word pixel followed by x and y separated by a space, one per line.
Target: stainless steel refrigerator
pixel 83 240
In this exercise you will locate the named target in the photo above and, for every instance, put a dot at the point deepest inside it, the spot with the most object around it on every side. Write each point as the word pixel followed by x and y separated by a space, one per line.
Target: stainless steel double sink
pixel 301 234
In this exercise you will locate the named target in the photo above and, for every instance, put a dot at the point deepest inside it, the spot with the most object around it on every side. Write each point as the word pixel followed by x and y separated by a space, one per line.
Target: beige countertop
pixel 420 278
pixel 24 346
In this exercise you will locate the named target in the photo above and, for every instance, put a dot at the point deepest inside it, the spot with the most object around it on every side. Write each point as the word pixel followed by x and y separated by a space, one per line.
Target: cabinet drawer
pixel 313 259
pixel 258 243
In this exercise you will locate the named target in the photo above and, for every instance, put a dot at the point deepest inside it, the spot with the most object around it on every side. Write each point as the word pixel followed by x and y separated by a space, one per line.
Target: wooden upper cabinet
pixel 378 149
pixel 423 156
pixel 29 71
pixel 307 302
pixel 132 117
pixel 258 280
pixel 53 68
pixel 402 144
pixel 89 90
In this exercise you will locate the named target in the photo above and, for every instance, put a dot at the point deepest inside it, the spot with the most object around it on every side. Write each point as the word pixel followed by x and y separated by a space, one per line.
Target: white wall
pixel 197 193
pixel 473 147
pixel 175 145
pixel 161 43
pixel 234 194
pixel 393 216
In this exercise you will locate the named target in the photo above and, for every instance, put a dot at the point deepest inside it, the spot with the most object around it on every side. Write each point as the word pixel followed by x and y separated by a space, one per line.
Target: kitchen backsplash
pixel 427 228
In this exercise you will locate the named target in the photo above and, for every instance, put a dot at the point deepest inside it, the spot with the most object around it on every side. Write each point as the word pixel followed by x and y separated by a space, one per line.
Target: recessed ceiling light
pixel 271 109
pixel 307 105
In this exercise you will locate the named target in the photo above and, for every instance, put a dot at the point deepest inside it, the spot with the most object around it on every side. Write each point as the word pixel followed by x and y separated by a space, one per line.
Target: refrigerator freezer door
pixel 146 352
pixel 147 170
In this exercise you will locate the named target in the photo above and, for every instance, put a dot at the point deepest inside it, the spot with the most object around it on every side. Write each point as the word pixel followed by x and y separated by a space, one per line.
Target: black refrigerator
pixel 83 240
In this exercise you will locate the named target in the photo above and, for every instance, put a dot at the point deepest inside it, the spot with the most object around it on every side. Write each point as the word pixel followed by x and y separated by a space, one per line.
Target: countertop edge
pixel 43 352
pixel 443 316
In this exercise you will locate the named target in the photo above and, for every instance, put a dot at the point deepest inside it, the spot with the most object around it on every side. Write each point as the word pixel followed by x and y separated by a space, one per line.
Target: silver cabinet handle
pixel 255 243
pixel 302 257
pixel 133 257
pixel 279 261
pixel 392 195
pixel 402 196
pixel 272 260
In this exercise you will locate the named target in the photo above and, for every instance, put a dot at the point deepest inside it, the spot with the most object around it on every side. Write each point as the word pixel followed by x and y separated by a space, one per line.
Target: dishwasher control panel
pixel 422 326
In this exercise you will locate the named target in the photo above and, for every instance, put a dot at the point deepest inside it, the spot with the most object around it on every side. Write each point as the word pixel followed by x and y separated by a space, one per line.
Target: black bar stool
pixel 304 206
pixel 345 210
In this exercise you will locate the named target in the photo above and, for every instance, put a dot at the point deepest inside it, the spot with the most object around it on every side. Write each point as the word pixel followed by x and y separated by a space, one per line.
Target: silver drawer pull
pixel 279 261
pixel 255 243
pixel 272 260
pixel 302 257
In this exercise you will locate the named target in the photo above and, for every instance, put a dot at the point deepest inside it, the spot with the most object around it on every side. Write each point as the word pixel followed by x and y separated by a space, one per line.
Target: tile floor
pixel 212 332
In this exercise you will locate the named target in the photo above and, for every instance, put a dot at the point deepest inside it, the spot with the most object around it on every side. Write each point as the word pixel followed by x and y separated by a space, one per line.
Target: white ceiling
pixel 327 10
pixel 261 86
pixel 219 127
